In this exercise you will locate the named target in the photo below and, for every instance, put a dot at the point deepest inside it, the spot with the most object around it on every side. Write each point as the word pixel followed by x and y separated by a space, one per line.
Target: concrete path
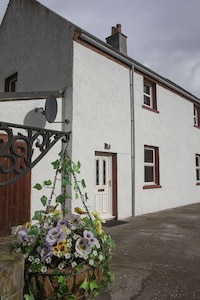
pixel 157 256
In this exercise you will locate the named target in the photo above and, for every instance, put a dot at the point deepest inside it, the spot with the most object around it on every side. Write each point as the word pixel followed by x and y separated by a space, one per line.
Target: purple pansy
pixel 63 223
pixel 46 251
pixel 22 235
pixel 55 234
pixel 88 235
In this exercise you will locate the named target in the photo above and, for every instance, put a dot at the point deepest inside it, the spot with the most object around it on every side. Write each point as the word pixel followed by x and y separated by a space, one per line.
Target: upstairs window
pixel 149 95
pixel 196 115
pixel 197 161
pixel 151 167
pixel 11 83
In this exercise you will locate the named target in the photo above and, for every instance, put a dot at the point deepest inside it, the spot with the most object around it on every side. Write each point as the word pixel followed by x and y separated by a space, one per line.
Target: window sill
pixel 150 108
pixel 153 186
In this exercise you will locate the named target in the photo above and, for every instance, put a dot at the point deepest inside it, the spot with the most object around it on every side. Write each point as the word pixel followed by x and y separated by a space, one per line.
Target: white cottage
pixel 135 132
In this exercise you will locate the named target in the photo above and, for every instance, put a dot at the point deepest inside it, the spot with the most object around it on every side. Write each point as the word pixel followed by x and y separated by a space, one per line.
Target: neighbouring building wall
pixel 101 114
pixel 37 44
pixel 173 131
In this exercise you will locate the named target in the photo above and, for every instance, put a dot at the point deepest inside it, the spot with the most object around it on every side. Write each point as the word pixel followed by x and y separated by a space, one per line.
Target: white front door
pixel 103 186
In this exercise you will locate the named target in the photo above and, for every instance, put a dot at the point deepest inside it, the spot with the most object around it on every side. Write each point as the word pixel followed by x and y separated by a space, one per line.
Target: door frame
pixel 114 180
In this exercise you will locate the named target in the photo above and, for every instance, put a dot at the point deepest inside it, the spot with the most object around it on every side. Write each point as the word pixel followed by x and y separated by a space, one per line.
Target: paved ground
pixel 157 256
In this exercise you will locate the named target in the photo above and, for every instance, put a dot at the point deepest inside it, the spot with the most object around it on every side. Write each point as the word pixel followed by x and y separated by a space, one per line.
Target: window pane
pixel 147 100
pixel 148 155
pixel 148 174
pixel 198 174
pixel 97 172
pixel 104 172
pixel 197 161
pixel 147 89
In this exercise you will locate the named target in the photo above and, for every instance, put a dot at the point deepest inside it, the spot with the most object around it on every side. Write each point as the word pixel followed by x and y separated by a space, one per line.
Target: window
pixel 149 95
pixel 197 161
pixel 10 83
pixel 151 167
pixel 196 115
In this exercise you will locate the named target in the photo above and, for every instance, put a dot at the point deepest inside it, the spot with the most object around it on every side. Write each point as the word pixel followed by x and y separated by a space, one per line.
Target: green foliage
pixel 44 200
pixel 56 164
pixel 33 231
pixel 60 199
pixel 47 182
pixel 37 216
pixel 37 186
pixel 63 288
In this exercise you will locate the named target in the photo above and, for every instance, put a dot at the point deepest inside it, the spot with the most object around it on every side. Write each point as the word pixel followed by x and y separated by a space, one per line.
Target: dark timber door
pixel 14 201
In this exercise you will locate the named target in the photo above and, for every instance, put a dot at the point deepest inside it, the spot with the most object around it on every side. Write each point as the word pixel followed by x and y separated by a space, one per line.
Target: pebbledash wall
pixel 101 114
pixel 173 131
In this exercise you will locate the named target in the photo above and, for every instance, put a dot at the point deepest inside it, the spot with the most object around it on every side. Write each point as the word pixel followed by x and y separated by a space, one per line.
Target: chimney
pixel 117 39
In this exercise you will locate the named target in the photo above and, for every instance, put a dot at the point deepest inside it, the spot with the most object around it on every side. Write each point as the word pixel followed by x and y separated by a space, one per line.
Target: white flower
pixel 46 225
pixel 100 257
pixel 67 255
pixel 43 269
pixel 76 236
pixel 69 244
pixel 37 261
pixel 48 260
pixel 74 264
pixel 59 254
pixel 98 246
pixel 25 255
pixel 95 253
pixel 61 266
pixel 31 258
pixel 91 262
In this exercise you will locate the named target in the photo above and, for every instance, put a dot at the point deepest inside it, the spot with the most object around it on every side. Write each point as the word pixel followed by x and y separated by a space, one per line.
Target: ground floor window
pixel 151 167
pixel 197 161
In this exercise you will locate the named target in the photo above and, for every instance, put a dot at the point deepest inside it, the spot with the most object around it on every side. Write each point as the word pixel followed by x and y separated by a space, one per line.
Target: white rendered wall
pixel 101 114
pixel 178 140
pixel 15 112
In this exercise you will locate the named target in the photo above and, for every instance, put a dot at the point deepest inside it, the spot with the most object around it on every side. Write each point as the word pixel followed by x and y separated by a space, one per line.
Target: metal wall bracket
pixel 22 147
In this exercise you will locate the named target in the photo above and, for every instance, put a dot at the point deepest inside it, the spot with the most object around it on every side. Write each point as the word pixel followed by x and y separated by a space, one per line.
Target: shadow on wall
pixel 35 119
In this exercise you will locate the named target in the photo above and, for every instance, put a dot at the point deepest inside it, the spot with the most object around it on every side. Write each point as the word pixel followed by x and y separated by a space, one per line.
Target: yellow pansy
pixel 79 211
pixel 28 225
pixel 61 247
pixel 97 215
pixel 99 227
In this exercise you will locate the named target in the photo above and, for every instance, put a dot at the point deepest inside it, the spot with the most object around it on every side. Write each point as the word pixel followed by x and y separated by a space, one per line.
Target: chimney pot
pixel 113 31
pixel 119 27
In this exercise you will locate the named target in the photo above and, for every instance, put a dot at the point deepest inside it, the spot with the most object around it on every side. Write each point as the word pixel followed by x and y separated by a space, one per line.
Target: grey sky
pixel 163 35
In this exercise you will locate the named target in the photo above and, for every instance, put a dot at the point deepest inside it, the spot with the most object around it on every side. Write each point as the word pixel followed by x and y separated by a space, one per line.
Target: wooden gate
pixel 14 199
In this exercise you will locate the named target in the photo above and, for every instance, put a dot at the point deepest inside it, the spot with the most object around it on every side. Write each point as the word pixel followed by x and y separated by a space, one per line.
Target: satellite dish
pixel 51 108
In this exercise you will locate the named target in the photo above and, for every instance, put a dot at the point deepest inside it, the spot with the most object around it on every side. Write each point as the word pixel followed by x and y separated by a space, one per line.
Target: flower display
pixel 58 239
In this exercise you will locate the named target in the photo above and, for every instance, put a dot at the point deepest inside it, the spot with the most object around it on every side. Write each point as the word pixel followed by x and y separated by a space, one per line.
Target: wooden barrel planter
pixel 48 285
